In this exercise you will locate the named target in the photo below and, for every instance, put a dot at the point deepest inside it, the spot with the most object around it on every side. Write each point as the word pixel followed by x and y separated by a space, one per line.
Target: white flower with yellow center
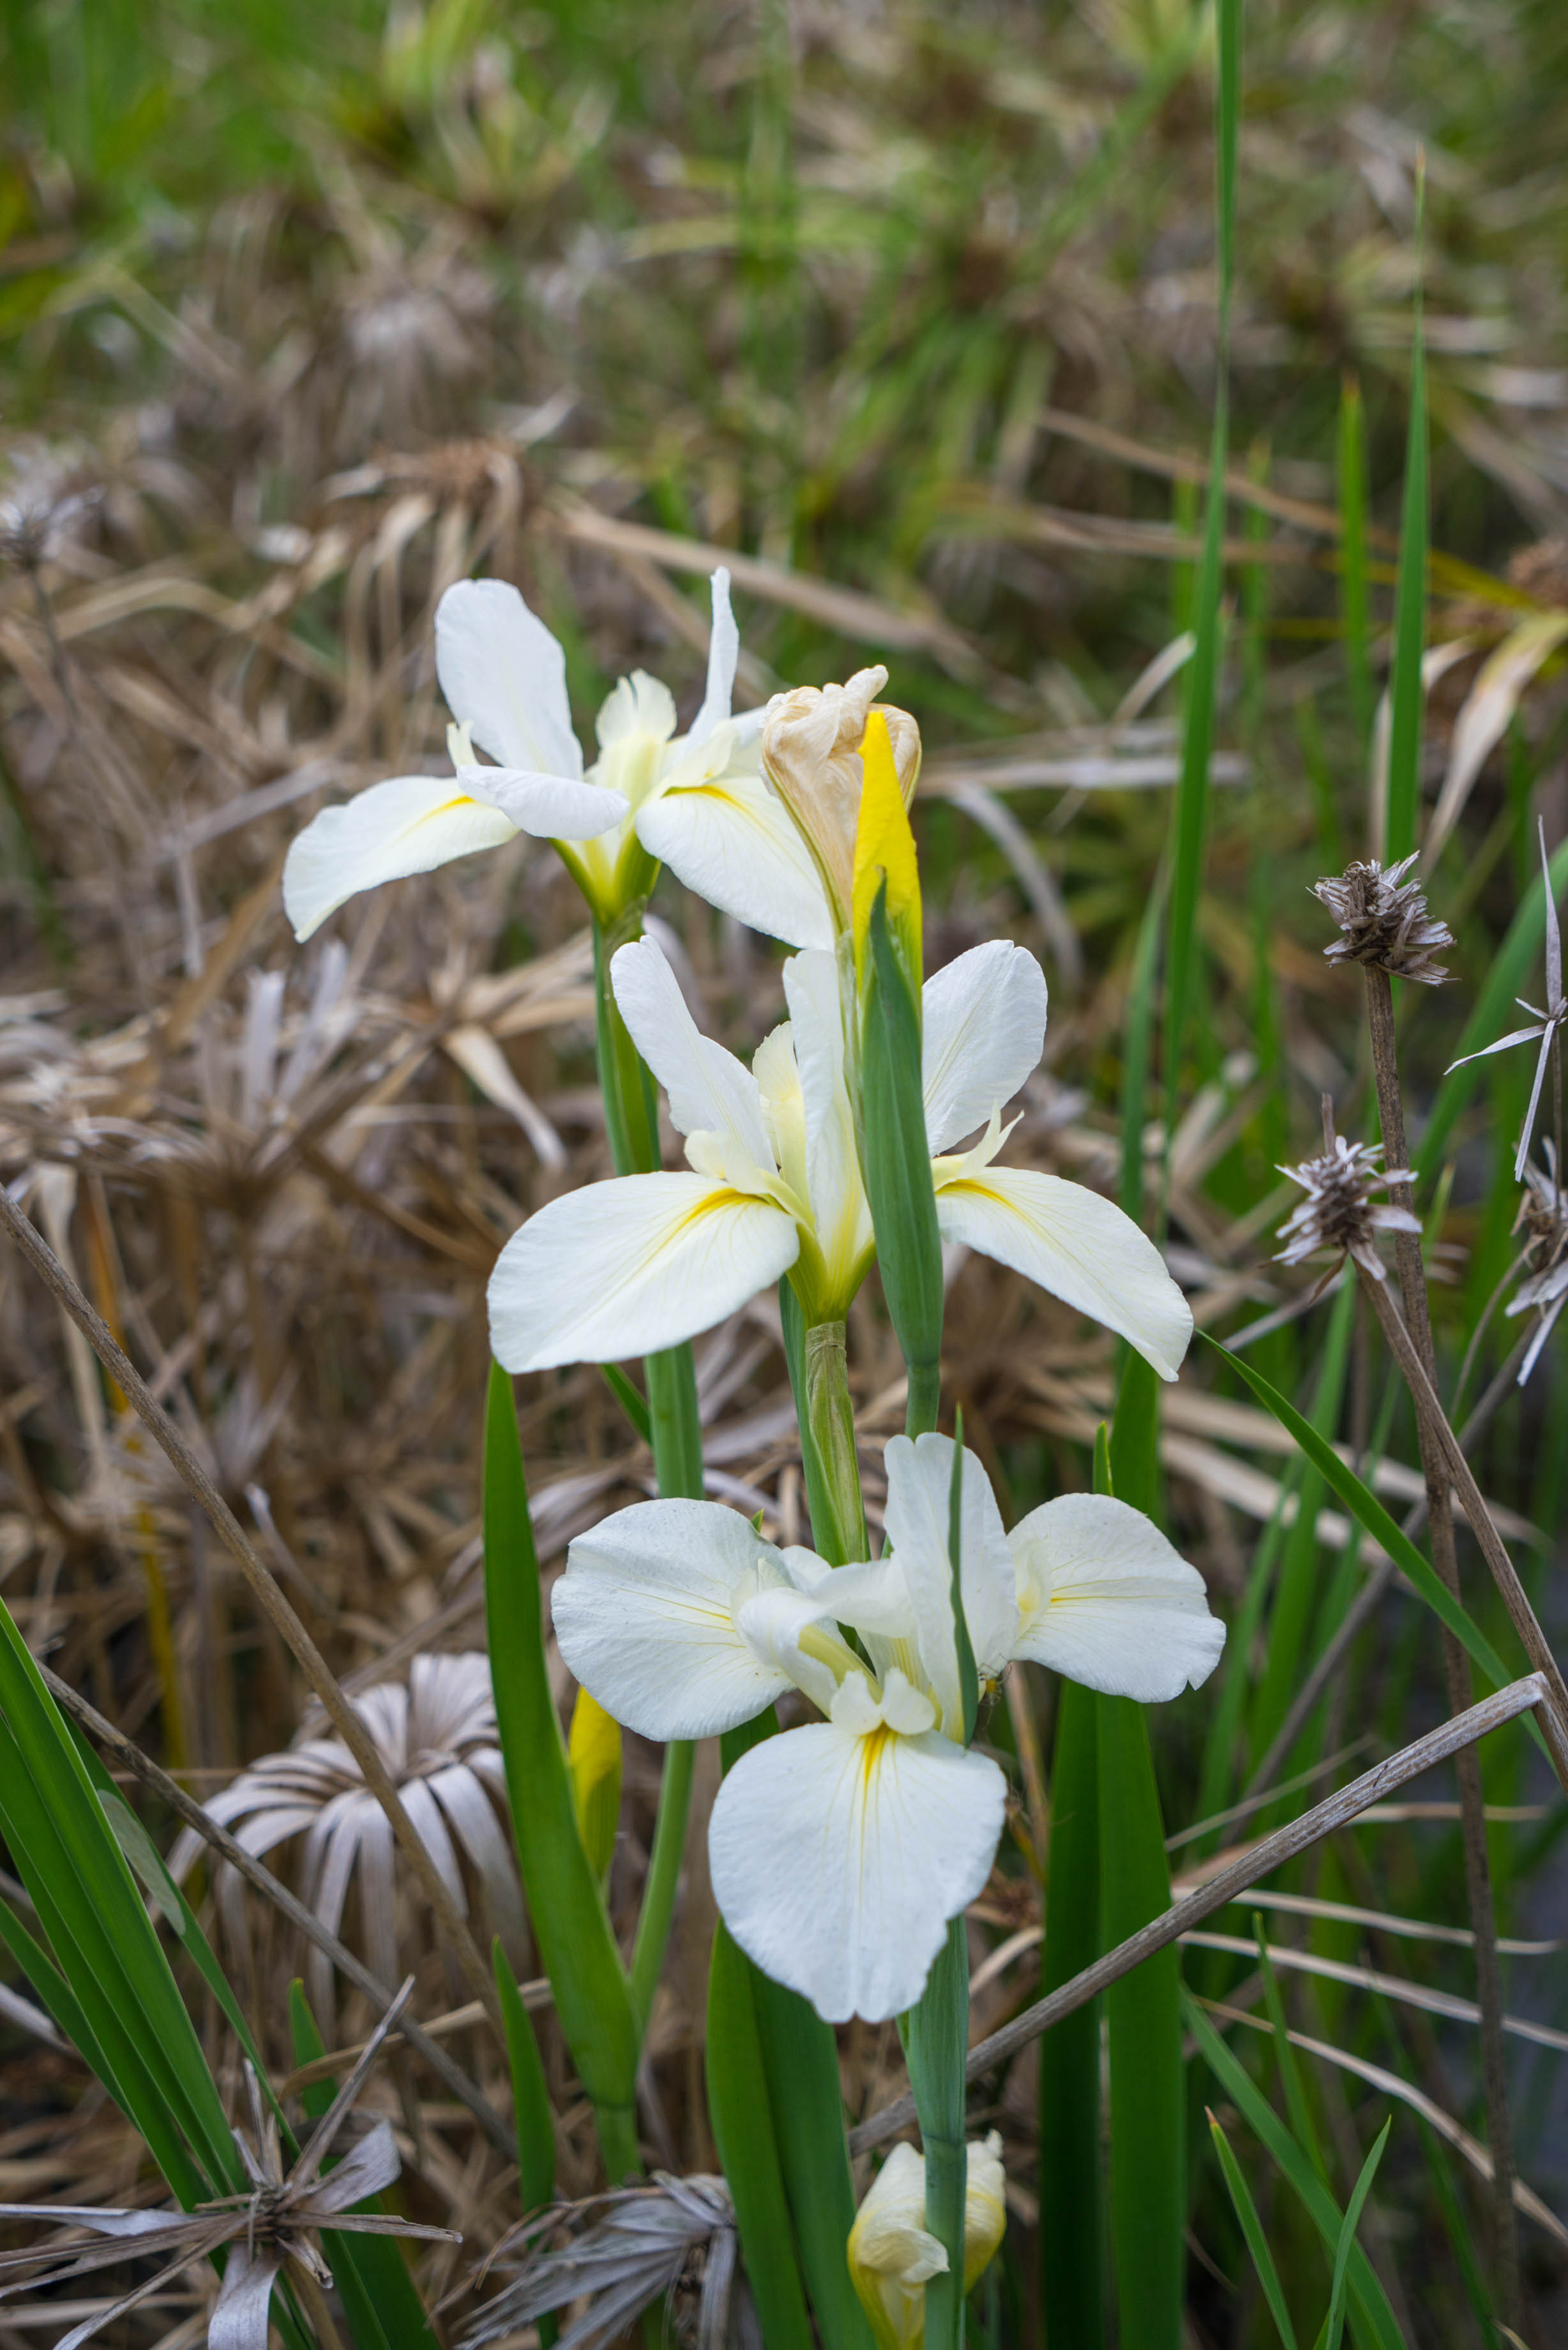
pixel 640 1262
pixel 696 801
pixel 839 1851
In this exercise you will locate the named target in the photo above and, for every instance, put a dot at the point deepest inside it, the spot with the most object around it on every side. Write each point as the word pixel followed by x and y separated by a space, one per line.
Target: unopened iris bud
pixel 593 1756
pixel 885 853
pixel 893 2254
pixel 812 742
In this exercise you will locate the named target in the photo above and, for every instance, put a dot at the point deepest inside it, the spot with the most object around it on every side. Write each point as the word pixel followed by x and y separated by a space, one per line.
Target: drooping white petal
pixel 838 1859
pixel 724 652
pixel 840 1217
pixel 920 1482
pixel 795 1631
pixel 630 1266
pixel 731 839
pixel 505 677
pixel 983 1022
pixel 1078 1246
pixel 1104 1598
pixel 410 824
pixel 646 1617
pixel 550 807
pixel 709 1091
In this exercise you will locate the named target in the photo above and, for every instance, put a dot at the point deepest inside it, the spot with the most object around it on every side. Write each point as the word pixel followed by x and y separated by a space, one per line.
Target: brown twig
pixel 264 1584
pixel 158 1781
pixel 1456 1663
pixel 1514 1596
pixel 1336 1812
pixel 1366 1600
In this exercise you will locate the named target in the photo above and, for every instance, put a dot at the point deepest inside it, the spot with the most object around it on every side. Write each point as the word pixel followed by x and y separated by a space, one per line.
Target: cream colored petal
pixel 723 653
pixel 920 1484
pixel 841 1218
pixel 709 1091
pixel 983 1017
pixel 631 1266
pixel 410 824
pixel 732 841
pixel 550 807
pixel 646 1617
pixel 1078 1246
pixel 838 1859
pixel 1105 1599
pixel 505 677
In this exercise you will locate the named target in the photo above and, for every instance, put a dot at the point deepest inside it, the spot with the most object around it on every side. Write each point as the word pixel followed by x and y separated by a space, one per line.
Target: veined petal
pixel 983 1018
pixel 796 1630
pixel 1079 1247
pixel 505 677
pixel 409 824
pixel 630 1266
pixel 550 807
pixel 647 1617
pixel 1104 1598
pixel 840 1216
pixel 730 838
pixel 709 1091
pixel 920 1482
pixel 724 652
pixel 838 1859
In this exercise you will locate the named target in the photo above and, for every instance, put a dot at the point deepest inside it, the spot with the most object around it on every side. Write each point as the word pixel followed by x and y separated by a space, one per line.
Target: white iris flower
pixel 629 1267
pixel 696 801
pixel 839 1851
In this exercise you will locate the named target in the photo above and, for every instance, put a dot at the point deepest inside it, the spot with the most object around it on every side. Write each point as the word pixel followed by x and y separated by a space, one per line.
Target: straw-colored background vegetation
pixel 907 312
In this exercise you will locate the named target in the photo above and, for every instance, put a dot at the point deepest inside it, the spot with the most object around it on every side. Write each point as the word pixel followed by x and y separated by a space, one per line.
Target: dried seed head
pixel 1339 1213
pixel 1544 1218
pixel 1383 921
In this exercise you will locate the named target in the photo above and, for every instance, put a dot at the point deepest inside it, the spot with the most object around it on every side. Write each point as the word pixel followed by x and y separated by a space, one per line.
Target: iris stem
pixel 935 2033
pixel 675 1432
pixel 819 1376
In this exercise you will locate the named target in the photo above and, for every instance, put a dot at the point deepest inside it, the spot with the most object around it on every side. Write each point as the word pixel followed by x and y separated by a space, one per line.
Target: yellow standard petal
pixel 593 1755
pixel 885 847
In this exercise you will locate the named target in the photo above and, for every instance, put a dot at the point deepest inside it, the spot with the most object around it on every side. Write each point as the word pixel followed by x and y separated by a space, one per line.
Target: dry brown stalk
pixel 258 1875
pixel 1445 1560
pixel 1554 1719
pixel 1529 1695
pixel 264 1586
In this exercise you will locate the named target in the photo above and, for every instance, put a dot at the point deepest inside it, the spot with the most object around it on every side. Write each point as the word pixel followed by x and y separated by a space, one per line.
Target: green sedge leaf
pixel 593 1999
pixel 1252 2229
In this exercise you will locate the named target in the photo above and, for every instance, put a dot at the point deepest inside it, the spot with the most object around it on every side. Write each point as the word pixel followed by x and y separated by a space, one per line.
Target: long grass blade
pixel 1246 2211
pixel 1071 2199
pixel 1403 788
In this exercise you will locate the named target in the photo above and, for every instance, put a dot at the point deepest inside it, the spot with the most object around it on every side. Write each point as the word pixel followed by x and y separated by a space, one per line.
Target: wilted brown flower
pixel 265 2230
pixel 1383 920
pixel 673 2240
pixel 438 1739
pixel 1543 1214
pixel 1339 1213
pixel 811 753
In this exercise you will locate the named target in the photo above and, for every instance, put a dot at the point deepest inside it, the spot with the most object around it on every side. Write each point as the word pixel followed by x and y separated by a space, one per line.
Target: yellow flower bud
pixel 811 752
pixel 984 2207
pixel 885 850
pixel 593 1757
pixel 892 2252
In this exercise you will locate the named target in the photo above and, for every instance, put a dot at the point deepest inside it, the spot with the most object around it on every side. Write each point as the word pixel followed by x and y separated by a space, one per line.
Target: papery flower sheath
pixel 839 1850
pixel 812 755
pixel 772 1187
pixel 696 801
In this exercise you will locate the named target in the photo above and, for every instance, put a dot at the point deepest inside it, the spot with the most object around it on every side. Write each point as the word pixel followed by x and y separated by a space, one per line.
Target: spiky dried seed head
pixel 1383 921
pixel 1339 1213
